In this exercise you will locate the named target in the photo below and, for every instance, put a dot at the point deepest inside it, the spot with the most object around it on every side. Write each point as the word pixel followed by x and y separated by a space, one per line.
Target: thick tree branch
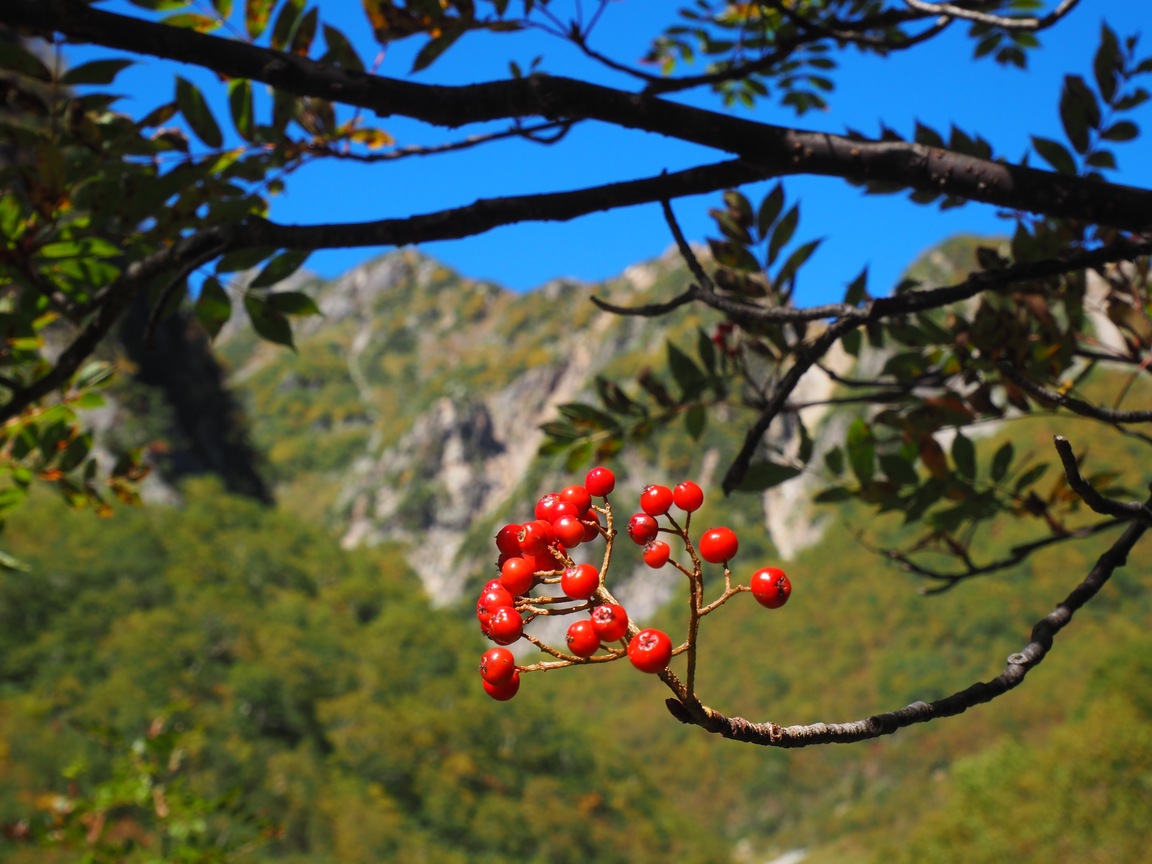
pixel 1018 666
pixel 788 151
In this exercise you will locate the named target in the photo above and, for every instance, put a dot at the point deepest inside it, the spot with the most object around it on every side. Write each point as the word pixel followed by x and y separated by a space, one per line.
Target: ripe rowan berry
pixel 656 553
pixel 542 564
pixel 655 500
pixel 771 587
pixel 688 496
pixel 507 540
pixel 503 692
pixel 536 537
pixel 650 650
pixel 582 639
pixel 505 626
pixel 718 545
pixel 642 528
pixel 551 507
pixel 580 582
pixel 610 622
pixel 569 530
pixel 600 482
pixel 579 497
pixel 492 597
pixel 517 575
pixel 497 665
pixel 591 526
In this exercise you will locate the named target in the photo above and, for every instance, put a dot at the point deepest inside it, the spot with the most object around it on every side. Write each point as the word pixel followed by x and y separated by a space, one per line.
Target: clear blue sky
pixel 938 84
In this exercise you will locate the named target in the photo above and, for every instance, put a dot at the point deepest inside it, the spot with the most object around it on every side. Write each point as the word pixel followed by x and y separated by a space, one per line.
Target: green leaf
pixel 304 32
pixel 964 455
pixel 1030 476
pixel 1055 154
pixel 285 21
pixel 834 459
pixel 690 378
pixel 340 50
pixel 861 448
pixel 1107 62
pixel 9 562
pixel 213 307
pixel 1079 111
pixel 95 72
pixel 898 469
pixel 695 420
pixel 193 21
pixel 223 8
pixel 240 103
pixel 19 59
pixel 159 5
pixel 280 268
pixel 1001 461
pixel 764 475
pixel 196 112
pixel 293 303
pixel 832 495
pixel 858 289
pixel 256 14
pixel 435 47
pixel 707 351
pixel 242 259
pixel 93 374
pixel 770 208
pixel 269 324
pixel 795 261
pixel 783 232
pixel 1125 130
pixel 588 415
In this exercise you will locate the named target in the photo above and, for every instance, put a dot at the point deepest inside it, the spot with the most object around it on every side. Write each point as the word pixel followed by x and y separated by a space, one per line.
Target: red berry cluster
pixel 535 559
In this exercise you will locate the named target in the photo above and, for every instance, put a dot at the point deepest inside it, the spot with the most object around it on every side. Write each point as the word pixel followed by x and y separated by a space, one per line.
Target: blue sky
pixel 938 84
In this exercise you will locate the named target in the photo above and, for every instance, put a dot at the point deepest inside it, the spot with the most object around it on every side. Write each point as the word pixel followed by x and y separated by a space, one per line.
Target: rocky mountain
pixel 411 410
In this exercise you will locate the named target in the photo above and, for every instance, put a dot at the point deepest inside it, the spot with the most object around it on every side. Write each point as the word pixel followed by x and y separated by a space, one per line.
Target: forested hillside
pixel 222 680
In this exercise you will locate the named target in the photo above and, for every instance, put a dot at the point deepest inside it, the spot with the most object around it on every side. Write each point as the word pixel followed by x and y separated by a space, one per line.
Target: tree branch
pixel 1018 666
pixel 787 151
pixel 1133 510
pixel 1077 406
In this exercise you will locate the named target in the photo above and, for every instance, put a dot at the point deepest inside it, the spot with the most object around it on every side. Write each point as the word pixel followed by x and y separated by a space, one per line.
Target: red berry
pixel 718 545
pixel 505 626
pixel 771 587
pixel 507 540
pixel 517 575
pixel 655 500
pixel 688 496
pixel 578 497
pixel 546 505
pixel 580 582
pixel 536 537
pixel 642 528
pixel 497 665
pixel 591 526
pixel 656 553
pixel 650 650
pixel 503 692
pixel 569 530
pixel 493 597
pixel 582 639
pixel 610 622
pixel 600 482
pixel 542 563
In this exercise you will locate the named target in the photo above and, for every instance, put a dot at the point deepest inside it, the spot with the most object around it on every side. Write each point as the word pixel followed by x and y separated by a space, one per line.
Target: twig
pixel 1004 23
pixel 1121 510
pixel 1018 665
pixel 1078 406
